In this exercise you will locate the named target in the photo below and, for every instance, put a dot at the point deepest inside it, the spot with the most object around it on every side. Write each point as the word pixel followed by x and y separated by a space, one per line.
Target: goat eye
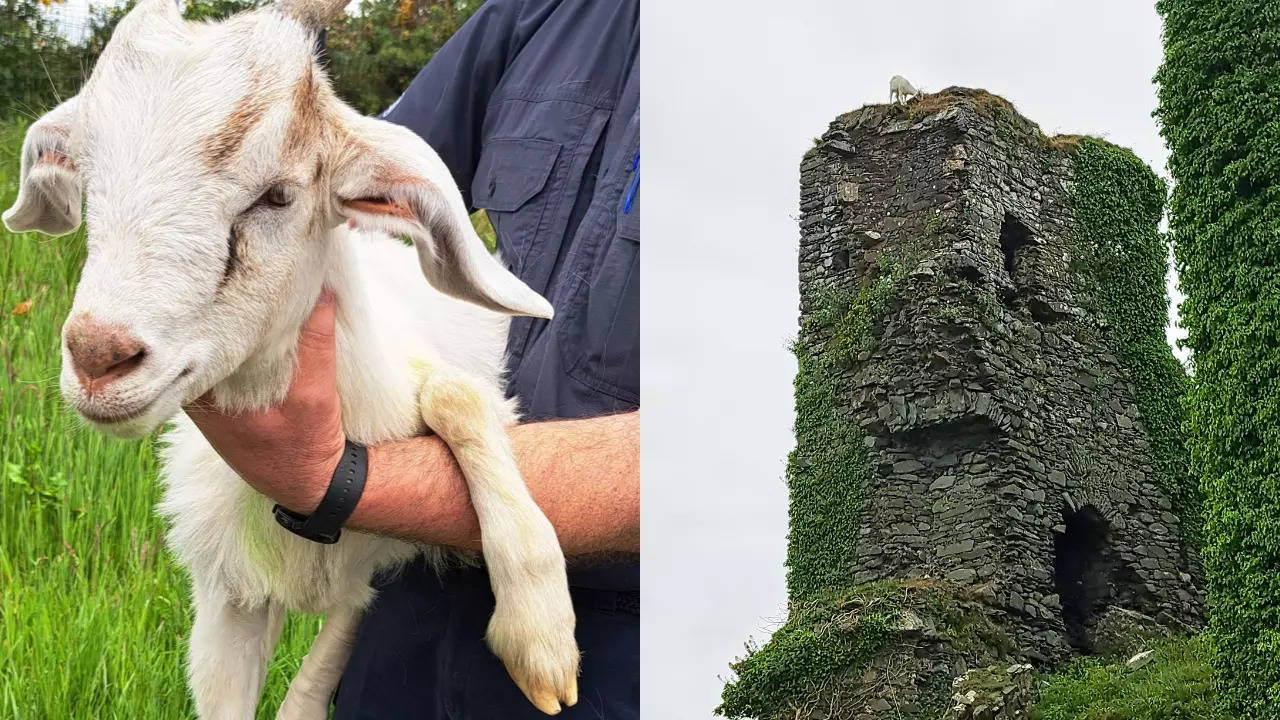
pixel 275 196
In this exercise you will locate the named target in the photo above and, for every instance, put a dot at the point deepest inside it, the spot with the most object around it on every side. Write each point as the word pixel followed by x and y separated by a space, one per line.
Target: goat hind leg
pixel 531 630
pixel 311 690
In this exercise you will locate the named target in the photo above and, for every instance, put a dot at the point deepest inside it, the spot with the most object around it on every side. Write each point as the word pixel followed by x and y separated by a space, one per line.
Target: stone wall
pixel 1004 442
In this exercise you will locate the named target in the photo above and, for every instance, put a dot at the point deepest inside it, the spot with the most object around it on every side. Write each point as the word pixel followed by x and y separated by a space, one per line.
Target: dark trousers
pixel 420 654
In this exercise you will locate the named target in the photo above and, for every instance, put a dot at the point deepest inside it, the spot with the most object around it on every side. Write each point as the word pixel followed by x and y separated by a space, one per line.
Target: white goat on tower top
pixel 225 184
pixel 900 89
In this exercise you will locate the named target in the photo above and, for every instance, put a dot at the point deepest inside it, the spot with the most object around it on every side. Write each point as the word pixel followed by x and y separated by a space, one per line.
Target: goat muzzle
pixel 101 353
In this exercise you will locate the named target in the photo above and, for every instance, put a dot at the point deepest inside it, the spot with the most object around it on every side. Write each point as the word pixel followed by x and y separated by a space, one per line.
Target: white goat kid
pixel 225 185
pixel 900 89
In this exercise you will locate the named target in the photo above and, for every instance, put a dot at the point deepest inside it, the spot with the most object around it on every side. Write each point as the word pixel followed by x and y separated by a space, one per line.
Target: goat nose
pixel 102 353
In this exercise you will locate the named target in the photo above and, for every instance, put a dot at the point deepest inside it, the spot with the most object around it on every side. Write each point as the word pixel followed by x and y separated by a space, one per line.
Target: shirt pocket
pixel 508 186
pixel 603 318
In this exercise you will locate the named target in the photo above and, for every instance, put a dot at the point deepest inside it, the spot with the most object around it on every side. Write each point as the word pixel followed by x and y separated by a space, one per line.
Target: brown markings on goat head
pixel 312 121
pixel 304 122
pixel 223 144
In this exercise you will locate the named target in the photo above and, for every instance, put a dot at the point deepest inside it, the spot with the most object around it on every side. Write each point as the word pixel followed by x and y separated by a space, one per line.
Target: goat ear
pixel 387 179
pixel 48 182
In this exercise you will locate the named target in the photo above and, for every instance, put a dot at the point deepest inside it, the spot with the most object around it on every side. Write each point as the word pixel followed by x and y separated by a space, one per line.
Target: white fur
pixel 411 355
pixel 900 89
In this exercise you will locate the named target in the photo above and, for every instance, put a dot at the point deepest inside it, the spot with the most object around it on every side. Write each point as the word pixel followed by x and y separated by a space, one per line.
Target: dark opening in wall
pixel 1081 574
pixel 964 433
pixel 1013 237
pixel 840 259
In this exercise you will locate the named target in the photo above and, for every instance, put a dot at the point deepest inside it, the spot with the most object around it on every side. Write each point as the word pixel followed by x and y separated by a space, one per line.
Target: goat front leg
pixel 312 688
pixel 531 630
pixel 228 654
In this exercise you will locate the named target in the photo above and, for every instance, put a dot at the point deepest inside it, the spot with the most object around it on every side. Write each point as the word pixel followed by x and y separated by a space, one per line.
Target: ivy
pixel 828 641
pixel 1218 108
pixel 828 470
pixel 1123 261
pixel 814 644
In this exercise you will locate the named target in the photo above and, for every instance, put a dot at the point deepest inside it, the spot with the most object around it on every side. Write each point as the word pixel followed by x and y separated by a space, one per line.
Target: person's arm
pixel 584 474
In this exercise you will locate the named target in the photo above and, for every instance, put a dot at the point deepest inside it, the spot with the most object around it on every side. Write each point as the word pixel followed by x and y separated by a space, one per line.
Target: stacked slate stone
pixel 1005 445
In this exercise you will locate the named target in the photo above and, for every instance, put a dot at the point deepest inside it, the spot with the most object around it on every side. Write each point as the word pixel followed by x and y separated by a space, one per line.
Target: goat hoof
pixel 542 659
pixel 547 699
pixel 547 691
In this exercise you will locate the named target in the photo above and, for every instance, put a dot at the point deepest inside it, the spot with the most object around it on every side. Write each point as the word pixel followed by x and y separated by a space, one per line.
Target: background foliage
pixel 47 50
pixel 1218 107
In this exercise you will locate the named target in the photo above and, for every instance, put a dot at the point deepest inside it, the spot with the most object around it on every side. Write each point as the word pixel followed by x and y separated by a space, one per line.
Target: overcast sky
pixel 734 93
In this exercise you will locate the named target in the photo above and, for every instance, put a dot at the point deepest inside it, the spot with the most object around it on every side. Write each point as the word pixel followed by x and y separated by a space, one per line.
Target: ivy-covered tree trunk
pixel 1219 110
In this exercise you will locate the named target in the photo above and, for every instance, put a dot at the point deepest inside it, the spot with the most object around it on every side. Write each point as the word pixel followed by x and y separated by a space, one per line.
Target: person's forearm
pixel 584 474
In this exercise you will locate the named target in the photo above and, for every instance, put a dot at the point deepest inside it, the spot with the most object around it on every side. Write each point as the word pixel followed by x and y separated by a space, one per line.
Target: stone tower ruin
pixel 967 413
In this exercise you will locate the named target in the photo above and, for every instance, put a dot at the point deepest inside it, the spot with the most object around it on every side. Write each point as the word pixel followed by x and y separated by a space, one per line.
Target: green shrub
pixel 1218 110
pixel 37 65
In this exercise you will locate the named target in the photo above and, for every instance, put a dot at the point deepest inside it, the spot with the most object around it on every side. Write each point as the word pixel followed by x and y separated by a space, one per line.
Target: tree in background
pixel 37 64
pixel 373 54
pixel 1218 108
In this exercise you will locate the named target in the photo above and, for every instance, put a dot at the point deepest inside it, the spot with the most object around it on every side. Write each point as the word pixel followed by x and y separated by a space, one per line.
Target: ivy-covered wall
pixel 1219 110
pixel 827 471
pixel 1124 263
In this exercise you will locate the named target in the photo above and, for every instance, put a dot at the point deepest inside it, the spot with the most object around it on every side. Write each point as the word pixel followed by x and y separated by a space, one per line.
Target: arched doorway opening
pixel 1081 572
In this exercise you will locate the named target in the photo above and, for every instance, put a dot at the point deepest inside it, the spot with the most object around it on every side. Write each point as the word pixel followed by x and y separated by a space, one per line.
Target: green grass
pixel 94 613
pixel 1176 685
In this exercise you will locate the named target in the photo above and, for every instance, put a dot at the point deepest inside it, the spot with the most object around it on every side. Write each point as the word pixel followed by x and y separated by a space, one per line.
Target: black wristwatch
pixel 325 524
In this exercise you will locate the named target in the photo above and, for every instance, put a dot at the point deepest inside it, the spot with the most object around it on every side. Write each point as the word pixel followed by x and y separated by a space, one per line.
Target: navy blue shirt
pixel 535 107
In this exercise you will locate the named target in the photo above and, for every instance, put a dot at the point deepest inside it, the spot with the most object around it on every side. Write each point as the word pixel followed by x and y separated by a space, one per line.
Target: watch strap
pixel 345 488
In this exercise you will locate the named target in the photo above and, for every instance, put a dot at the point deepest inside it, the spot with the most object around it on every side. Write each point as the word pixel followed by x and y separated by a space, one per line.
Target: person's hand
pixel 288 452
